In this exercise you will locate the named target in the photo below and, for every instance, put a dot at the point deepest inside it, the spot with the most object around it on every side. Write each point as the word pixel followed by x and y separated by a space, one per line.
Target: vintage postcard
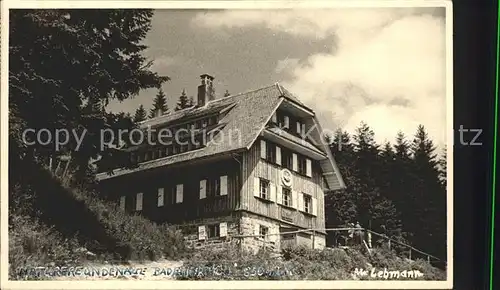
pixel 226 145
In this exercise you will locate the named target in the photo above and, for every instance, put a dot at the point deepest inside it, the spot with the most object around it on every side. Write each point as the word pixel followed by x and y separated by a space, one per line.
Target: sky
pixel 382 66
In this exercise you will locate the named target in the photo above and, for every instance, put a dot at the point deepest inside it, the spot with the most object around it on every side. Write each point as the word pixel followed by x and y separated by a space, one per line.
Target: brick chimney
pixel 206 91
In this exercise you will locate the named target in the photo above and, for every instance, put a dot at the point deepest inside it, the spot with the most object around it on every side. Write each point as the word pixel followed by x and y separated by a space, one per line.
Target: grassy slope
pixel 81 222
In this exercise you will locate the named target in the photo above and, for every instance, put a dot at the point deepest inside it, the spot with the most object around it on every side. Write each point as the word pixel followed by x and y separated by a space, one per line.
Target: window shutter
pixel 272 192
pixel 161 197
pixel 122 202
pixel 138 201
pixel 300 205
pixel 295 162
pixel 223 185
pixel 278 155
pixel 299 131
pixel 287 122
pixel 314 206
pixel 279 195
pixel 263 148
pixel 256 228
pixel 202 235
pixel 203 189
pixel 274 118
pixel 295 199
pixel 179 193
pixel 256 187
pixel 223 229
pixel 308 167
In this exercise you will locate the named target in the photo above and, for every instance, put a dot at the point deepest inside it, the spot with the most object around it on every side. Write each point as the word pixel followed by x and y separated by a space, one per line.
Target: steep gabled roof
pixel 246 117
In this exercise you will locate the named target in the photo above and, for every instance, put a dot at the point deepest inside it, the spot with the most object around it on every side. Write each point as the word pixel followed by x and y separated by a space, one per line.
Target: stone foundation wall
pixel 319 242
pixel 245 224
pixel 248 224
pixel 190 232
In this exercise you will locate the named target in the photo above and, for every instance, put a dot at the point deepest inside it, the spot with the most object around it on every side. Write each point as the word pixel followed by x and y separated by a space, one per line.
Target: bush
pixel 142 238
pixel 300 263
pixel 78 219
pixel 32 244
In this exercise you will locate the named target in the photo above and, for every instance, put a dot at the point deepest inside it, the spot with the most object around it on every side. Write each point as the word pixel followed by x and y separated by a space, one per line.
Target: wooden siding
pixel 254 166
pixel 192 207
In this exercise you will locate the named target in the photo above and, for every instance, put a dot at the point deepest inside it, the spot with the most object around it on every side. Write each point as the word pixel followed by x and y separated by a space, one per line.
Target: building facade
pixel 250 166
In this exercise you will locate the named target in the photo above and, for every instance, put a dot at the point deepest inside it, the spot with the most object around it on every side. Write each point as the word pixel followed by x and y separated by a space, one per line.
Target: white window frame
pixel 290 196
pixel 306 208
pixel 161 197
pixel 267 194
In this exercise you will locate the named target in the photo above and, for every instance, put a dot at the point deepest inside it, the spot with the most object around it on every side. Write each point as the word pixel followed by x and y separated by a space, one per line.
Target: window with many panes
pixel 287 196
pixel 263 231
pixel 270 152
pixel 302 164
pixel 213 187
pixel 307 203
pixel 264 189
pixel 286 158
pixel 213 231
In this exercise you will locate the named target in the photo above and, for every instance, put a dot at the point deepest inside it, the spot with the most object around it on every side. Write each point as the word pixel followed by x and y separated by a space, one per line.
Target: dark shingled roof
pixel 246 117
pixel 249 113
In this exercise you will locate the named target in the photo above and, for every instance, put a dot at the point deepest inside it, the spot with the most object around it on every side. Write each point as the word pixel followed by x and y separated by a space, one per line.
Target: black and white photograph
pixel 214 144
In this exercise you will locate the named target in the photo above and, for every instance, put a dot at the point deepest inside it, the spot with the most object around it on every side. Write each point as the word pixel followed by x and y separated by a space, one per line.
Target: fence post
pixel 313 234
pixel 410 254
pixel 389 245
pixel 428 259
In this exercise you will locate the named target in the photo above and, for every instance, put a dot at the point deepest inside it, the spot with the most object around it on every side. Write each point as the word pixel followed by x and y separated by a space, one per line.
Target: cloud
pixel 286 64
pixel 162 63
pixel 386 66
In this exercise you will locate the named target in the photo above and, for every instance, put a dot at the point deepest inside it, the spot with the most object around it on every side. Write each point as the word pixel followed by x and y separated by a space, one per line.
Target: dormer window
pixel 283 120
pixel 300 128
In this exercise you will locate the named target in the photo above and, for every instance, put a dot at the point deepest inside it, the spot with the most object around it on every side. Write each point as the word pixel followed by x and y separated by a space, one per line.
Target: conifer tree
pixel 340 205
pixel 227 94
pixel 430 203
pixel 159 104
pixel 103 47
pixel 402 181
pixel 140 114
pixel 374 209
pixel 183 101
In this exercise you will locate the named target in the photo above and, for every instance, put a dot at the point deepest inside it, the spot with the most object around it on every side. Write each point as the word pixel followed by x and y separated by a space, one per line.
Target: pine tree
pixel 402 148
pixel 402 180
pixel 374 209
pixel 367 152
pixel 140 114
pixel 82 45
pixel 430 203
pixel 183 101
pixel 227 94
pixel 191 102
pixel 159 104
pixel 340 206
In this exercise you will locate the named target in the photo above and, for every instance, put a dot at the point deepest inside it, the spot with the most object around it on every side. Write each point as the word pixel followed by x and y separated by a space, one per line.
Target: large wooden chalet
pixel 250 171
